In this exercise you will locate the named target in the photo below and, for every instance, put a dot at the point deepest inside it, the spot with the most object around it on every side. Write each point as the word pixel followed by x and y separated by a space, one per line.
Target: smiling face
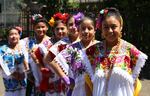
pixel 87 30
pixel 13 36
pixel 60 30
pixel 72 29
pixel 40 29
pixel 111 29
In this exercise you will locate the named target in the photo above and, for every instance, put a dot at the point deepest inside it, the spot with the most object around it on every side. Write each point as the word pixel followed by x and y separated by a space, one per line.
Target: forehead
pixel 13 31
pixel 61 25
pixel 111 20
pixel 40 24
pixel 87 22
pixel 71 20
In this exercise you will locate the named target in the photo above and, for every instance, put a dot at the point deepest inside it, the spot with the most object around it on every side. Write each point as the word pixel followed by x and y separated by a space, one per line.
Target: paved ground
pixel 145 87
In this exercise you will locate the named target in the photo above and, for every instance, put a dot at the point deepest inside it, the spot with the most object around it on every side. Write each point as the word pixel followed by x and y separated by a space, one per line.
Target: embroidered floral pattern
pixel 74 60
pixel 126 60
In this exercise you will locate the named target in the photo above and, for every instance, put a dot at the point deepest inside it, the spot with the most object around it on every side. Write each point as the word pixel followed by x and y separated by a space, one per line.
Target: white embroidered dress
pixel 126 68
pixel 74 62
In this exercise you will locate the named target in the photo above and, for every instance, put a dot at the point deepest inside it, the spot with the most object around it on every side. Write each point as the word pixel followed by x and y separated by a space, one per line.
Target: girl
pixel 119 63
pixel 14 64
pixel 40 27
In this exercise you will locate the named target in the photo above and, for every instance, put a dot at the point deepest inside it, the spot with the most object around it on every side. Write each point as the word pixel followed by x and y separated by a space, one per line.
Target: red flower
pixel 60 16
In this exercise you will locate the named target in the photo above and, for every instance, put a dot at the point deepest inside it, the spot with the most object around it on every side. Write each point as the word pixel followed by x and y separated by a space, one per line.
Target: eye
pixel 90 28
pixel 62 28
pixel 105 27
pixel 113 26
pixel 70 24
pixel 83 28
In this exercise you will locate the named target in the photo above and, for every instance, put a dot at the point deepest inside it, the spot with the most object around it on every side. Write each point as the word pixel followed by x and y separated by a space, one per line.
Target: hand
pixel 66 80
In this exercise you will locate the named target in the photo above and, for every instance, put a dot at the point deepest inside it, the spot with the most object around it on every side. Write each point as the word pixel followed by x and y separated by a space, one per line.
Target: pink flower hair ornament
pixel 100 18
pixel 36 17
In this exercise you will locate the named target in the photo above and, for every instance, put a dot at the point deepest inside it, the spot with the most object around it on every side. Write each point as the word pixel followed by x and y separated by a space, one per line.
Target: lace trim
pixel 62 63
pixel 124 74
pixel 139 64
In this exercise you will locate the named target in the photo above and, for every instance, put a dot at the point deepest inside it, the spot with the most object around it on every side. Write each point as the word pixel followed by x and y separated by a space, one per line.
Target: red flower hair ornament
pixel 58 16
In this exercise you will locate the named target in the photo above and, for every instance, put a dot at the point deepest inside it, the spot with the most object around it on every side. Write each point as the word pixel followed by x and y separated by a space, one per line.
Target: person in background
pixel 119 63
pixel 13 63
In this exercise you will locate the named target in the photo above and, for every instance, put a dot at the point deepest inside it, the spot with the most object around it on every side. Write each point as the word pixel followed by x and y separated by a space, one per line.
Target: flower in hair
pixel 51 22
pixel 100 18
pixel 19 29
pixel 101 11
pixel 36 17
pixel 78 17
pixel 58 16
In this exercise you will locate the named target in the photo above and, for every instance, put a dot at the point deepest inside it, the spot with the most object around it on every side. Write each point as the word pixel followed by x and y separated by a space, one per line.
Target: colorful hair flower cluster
pixel 35 17
pixel 58 16
pixel 100 18
pixel 78 17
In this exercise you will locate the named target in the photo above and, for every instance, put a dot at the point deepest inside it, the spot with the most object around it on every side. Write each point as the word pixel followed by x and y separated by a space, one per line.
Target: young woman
pixel 73 60
pixel 40 27
pixel 14 64
pixel 119 63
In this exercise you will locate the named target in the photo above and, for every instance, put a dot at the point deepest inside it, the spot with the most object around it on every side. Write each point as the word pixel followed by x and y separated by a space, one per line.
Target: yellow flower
pixel 51 22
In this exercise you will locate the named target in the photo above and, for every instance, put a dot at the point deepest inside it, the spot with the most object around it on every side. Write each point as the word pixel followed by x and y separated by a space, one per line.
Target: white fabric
pixel 36 72
pixel 79 89
pixel 140 63
pixel 4 67
pixel 62 62
pixel 119 84
pixel 16 93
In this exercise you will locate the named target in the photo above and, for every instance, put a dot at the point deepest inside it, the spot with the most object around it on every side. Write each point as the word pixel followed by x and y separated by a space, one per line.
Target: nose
pixel 40 29
pixel 86 30
pixel 59 31
pixel 110 30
